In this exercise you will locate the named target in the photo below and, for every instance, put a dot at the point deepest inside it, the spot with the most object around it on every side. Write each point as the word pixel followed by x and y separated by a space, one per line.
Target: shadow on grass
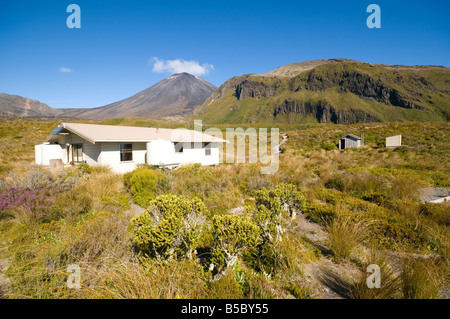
pixel 334 282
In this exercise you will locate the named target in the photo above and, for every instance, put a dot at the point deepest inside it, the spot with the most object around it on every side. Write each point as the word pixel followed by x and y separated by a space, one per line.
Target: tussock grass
pixel 390 282
pixel 130 280
pixel 344 236
pixel 423 279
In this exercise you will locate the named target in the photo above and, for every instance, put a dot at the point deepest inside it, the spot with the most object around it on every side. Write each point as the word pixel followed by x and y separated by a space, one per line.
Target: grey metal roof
pixel 354 137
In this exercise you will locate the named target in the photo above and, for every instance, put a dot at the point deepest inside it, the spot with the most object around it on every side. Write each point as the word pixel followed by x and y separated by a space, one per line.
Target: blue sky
pixel 112 56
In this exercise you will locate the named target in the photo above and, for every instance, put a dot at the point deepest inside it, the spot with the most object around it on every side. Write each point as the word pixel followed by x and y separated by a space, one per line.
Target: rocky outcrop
pixel 360 84
pixel 323 112
pixel 249 88
pixel 367 87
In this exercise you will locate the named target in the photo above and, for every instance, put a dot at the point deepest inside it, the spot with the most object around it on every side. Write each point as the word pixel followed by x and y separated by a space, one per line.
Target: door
pixel 343 144
pixel 77 153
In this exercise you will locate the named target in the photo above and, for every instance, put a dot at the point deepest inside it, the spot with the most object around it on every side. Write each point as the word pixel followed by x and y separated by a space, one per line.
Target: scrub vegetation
pixel 227 231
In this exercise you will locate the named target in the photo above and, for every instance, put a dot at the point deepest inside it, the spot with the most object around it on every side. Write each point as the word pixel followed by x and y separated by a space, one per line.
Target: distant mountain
pixel 18 106
pixel 335 90
pixel 176 95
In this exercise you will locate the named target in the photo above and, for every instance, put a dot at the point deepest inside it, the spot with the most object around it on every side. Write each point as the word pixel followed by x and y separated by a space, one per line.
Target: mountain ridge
pixel 341 91
pixel 18 106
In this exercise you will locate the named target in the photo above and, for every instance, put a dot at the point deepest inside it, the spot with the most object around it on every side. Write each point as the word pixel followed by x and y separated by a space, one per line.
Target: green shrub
pixel 328 146
pixel 145 185
pixel 276 209
pixel 84 169
pixel 232 234
pixel 127 180
pixel 169 228
pixel 320 213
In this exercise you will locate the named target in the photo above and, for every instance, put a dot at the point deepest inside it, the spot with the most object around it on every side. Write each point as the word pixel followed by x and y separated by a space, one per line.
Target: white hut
pixel 124 147
pixel 394 141
pixel 349 140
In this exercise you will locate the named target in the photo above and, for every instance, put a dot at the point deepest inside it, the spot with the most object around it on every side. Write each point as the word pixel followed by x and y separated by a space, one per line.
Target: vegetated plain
pixel 308 231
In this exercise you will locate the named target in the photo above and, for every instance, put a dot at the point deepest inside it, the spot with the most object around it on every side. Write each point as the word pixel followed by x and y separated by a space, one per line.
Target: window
pixel 207 147
pixel 126 152
pixel 77 153
pixel 178 147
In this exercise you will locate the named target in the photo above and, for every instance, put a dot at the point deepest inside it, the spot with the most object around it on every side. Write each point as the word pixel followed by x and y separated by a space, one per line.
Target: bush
pixel 145 184
pixel 169 228
pixel 39 180
pixel 226 287
pixel 117 203
pixel 328 146
pixel 232 234
pixel 84 169
pixel 33 202
pixel 320 213
pixel 276 209
pixel 335 182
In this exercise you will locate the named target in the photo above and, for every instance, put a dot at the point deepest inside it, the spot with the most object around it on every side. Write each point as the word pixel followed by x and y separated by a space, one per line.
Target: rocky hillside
pixel 335 90
pixel 18 106
pixel 176 95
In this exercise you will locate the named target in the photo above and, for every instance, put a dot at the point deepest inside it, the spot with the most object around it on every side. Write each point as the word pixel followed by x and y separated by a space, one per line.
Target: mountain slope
pixel 18 106
pixel 176 95
pixel 335 90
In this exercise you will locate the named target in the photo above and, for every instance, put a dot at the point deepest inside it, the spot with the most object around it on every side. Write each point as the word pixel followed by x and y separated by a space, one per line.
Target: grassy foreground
pixel 350 209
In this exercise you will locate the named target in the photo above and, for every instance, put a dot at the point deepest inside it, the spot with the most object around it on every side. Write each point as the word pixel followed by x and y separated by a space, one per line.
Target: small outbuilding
pixel 394 141
pixel 349 140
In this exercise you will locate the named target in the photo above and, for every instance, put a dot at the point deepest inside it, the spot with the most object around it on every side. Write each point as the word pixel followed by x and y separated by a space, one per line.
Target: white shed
pixel 349 140
pixel 124 147
pixel 394 141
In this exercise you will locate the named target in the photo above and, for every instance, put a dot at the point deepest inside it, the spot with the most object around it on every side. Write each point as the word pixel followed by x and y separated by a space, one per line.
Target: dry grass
pixel 344 236
pixel 390 283
pixel 129 280
pixel 423 279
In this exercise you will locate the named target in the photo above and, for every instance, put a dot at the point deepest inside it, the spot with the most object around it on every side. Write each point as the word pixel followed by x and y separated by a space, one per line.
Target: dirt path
pixel 329 280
